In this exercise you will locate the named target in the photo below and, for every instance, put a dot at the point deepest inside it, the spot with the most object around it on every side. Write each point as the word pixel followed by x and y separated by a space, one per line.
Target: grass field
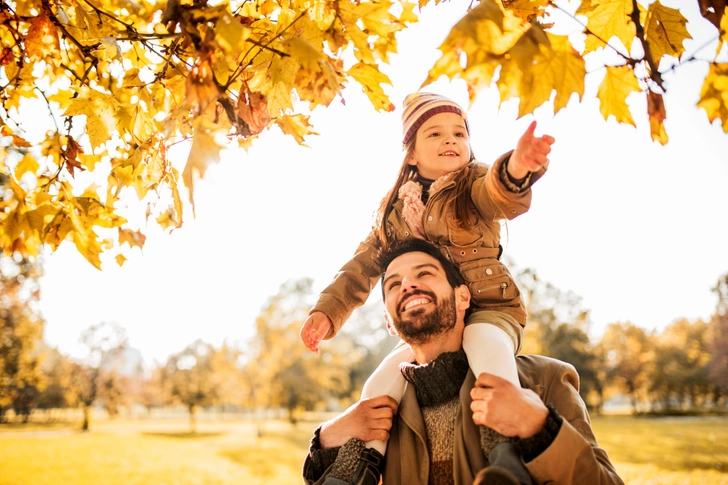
pixel 686 451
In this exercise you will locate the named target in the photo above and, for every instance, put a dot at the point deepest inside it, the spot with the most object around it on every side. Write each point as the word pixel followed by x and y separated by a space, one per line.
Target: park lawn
pixel 144 452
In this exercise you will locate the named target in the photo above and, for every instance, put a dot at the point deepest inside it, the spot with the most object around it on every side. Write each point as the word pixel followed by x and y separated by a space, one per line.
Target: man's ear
pixel 390 327
pixel 462 297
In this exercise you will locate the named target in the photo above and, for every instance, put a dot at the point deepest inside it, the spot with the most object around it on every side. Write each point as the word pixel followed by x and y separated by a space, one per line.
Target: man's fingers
pixel 382 401
pixel 490 380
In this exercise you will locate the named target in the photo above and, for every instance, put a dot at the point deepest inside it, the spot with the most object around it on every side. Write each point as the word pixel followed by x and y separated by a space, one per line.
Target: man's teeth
pixel 416 301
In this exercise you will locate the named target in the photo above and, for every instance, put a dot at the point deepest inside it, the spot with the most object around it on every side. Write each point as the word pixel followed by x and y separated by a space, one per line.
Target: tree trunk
pixel 193 418
pixel 86 418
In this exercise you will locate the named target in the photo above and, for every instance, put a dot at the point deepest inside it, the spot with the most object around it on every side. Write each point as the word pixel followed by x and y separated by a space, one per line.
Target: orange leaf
pixel 70 155
pixel 42 40
pixel 656 111
pixel 200 86
pixel 253 109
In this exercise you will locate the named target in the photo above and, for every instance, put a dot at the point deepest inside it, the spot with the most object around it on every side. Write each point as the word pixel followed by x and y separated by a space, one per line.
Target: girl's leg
pixel 490 349
pixel 387 379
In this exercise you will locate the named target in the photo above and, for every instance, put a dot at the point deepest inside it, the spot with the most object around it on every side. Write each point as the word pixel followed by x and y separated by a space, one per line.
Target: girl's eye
pixel 461 135
pixel 434 134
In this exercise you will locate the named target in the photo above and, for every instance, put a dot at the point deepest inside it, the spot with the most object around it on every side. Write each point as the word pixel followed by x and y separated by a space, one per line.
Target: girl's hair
pixel 407 172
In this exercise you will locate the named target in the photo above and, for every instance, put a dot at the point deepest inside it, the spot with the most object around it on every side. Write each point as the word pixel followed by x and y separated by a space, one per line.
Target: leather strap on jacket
pixel 462 254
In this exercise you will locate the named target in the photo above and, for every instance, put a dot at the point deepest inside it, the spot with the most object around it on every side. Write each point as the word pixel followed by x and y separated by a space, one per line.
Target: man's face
pixel 419 301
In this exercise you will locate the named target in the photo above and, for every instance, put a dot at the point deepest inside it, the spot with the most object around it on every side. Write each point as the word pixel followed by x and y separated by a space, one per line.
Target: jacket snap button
pixel 488 271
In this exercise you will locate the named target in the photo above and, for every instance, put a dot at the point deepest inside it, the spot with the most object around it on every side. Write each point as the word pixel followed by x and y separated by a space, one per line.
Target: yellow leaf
pixel 618 83
pixel 27 164
pixel 371 80
pixel 714 93
pixel 665 31
pixel 607 19
pixel 166 219
pixel 656 112
pixel 322 14
pixel 528 10
pixel 231 34
pixel 99 110
pixel 132 238
pixel 557 67
pixel 297 126
pixel 204 152
pixel 304 52
pixel 26 8
pixel 120 259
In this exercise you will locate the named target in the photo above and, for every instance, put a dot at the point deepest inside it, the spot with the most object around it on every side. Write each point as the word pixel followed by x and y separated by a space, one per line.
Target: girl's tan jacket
pixel 474 249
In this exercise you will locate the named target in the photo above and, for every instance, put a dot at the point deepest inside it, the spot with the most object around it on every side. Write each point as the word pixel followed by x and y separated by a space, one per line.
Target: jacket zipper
pixel 502 286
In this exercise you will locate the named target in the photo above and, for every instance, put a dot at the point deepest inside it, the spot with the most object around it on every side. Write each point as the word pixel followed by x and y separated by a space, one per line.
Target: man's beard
pixel 421 326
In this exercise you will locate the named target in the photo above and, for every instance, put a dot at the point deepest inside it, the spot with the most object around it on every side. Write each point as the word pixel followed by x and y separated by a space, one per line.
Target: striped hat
pixel 419 107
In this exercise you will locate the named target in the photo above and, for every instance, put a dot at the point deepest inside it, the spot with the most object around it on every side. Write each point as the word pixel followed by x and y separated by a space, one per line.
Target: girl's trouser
pixel 488 347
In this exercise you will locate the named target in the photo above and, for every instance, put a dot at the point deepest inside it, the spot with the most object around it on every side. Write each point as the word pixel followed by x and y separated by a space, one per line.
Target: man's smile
pixel 415 300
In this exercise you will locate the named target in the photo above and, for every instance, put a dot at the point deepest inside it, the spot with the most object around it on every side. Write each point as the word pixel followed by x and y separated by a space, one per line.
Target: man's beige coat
pixel 574 457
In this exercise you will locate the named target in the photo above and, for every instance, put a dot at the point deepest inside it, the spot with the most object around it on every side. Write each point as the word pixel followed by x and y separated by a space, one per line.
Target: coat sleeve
pixel 587 462
pixel 351 285
pixel 494 200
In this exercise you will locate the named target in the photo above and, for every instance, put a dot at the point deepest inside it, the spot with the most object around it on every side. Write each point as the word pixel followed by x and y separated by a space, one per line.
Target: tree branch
pixel 640 32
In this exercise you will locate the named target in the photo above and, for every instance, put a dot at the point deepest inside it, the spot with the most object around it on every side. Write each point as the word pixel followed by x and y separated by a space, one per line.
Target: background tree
pixel 680 373
pixel 122 85
pixel 295 378
pixel 718 366
pixel 629 353
pixel 21 329
pixel 558 326
pixel 189 378
pixel 94 375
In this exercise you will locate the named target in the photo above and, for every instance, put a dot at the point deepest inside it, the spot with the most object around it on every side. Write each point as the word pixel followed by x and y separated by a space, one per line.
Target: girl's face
pixel 442 146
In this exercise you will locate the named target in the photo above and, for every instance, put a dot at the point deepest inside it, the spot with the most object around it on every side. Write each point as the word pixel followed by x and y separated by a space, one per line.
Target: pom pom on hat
pixel 419 107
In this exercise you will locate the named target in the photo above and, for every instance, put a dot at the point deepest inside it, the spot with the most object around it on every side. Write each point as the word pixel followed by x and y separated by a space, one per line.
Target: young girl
pixel 444 196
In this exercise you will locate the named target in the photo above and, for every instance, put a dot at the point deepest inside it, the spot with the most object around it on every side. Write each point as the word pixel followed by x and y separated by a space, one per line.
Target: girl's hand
pixel 314 329
pixel 531 153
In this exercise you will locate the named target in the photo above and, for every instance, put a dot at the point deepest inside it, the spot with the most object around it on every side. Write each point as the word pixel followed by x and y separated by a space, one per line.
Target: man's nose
pixel 408 284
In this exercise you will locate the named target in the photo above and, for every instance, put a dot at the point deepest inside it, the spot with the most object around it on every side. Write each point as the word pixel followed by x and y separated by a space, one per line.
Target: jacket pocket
pixel 490 283
pixel 463 236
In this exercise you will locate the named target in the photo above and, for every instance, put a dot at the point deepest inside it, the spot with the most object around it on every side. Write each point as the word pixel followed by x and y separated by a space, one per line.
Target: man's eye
pixel 423 273
pixel 393 285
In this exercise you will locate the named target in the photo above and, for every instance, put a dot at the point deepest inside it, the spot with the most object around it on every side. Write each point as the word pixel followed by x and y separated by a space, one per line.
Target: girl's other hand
pixel 314 329
pixel 531 153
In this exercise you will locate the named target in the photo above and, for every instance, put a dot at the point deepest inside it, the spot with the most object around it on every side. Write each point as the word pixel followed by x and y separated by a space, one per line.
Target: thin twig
pixel 48 103
pixel 587 30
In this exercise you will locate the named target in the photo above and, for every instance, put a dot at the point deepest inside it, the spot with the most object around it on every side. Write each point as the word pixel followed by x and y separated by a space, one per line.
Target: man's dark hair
pixel 398 248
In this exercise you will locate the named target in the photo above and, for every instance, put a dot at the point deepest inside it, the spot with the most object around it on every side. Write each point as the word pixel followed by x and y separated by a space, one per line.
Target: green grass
pixel 645 451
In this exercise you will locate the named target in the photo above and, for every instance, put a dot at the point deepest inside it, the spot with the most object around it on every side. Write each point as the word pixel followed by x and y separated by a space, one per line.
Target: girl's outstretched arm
pixel 531 153
pixel 314 329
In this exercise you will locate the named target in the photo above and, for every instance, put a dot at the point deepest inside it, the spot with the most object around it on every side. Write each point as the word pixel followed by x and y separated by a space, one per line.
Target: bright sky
pixel 637 229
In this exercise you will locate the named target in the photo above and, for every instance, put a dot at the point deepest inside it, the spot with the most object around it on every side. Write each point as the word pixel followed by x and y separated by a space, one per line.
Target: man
pixel 439 432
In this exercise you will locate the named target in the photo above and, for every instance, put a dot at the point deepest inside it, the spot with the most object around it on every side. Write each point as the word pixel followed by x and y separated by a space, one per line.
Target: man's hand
pixel 531 153
pixel 314 329
pixel 368 419
pixel 505 408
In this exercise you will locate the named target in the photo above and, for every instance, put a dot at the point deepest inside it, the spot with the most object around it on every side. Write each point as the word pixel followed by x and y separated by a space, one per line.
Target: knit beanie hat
pixel 419 107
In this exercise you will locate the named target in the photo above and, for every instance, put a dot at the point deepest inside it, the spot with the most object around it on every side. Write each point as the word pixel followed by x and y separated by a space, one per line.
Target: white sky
pixel 638 230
